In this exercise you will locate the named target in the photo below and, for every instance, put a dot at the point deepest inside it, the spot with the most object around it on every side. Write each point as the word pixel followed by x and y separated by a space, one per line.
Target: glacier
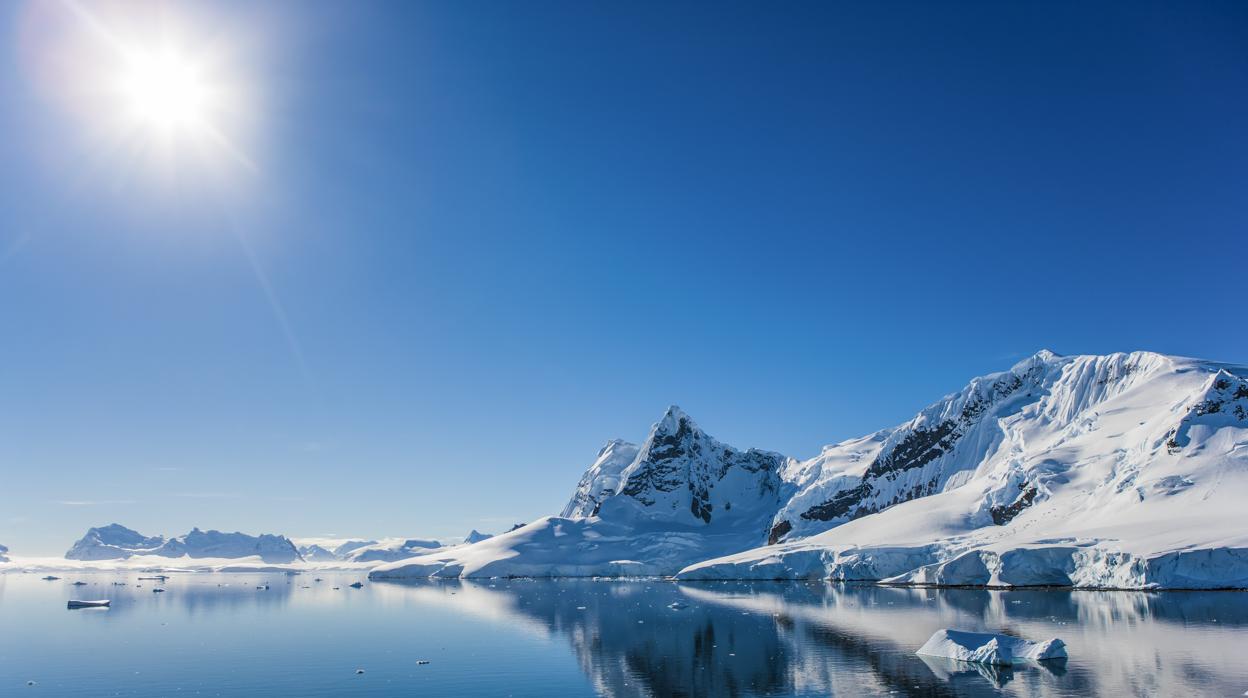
pixel 1094 471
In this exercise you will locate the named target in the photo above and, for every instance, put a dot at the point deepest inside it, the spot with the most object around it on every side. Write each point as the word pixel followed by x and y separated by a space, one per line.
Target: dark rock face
pixel 779 531
pixel 661 471
pixel 882 485
pixel 1225 398
pixel 840 505
pixel 681 461
pixel 920 447
pixel 1001 515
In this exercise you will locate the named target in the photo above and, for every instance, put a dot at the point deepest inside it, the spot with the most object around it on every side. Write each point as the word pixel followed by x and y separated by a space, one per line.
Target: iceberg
pixel 78 603
pixel 990 648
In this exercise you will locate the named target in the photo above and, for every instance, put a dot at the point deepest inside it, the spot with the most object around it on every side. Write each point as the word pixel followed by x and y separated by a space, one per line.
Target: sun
pixel 163 90
pixel 157 87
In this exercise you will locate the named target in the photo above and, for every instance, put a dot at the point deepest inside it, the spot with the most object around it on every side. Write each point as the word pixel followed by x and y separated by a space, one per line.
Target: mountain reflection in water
pixel 783 638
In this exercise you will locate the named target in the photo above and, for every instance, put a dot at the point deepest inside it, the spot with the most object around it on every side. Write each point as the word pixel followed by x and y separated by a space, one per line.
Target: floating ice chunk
pixel 356 585
pixel 77 603
pixel 990 648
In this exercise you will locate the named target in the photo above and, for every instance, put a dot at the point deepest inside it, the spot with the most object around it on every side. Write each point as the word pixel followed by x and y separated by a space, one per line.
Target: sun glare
pixel 157 87
pixel 163 90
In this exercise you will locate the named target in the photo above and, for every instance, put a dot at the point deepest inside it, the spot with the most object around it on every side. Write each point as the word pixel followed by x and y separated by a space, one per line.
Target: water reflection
pixel 739 639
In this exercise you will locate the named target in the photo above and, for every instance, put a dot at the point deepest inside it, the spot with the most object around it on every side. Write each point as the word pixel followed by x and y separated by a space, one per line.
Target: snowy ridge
pixel 601 480
pixel 1120 471
pixel 390 550
pixel 316 553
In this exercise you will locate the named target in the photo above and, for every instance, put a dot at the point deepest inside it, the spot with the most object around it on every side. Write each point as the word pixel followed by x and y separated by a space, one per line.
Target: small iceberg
pixel 158 590
pixel 80 584
pixel 990 648
pixel 356 585
pixel 49 578
pixel 77 603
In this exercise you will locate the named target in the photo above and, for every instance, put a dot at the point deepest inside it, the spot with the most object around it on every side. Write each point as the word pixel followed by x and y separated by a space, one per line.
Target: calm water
pixel 219 635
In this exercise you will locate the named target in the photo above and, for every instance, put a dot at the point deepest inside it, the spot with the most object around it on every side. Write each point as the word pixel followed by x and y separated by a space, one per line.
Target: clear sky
pixel 446 249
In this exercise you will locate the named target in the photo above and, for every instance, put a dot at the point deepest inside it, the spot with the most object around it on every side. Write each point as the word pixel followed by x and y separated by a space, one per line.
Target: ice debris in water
pixel 990 648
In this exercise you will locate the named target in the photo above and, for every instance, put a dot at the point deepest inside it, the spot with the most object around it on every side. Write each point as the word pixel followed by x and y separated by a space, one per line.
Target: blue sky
pixel 476 240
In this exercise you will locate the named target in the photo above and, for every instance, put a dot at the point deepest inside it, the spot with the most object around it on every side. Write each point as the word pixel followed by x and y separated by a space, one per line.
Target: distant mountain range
pixel 1115 471
pixel 115 542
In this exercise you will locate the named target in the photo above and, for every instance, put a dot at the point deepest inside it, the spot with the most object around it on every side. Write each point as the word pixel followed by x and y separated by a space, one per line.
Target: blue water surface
pixel 221 635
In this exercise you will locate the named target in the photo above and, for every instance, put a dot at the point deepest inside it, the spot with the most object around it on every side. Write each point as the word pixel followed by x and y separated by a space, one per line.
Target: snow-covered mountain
pixel 391 549
pixel 113 542
pixel 116 542
pixel 345 549
pixel 316 553
pixel 1119 470
pixel 684 497
pixel 1126 470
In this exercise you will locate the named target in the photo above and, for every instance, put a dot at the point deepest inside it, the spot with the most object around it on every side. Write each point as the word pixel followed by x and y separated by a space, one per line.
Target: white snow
pixel 990 648
pixel 601 480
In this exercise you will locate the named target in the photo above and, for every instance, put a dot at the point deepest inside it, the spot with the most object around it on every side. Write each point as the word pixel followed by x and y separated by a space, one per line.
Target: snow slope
pixel 118 542
pixel 1123 471
pixel 601 480
pixel 684 497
